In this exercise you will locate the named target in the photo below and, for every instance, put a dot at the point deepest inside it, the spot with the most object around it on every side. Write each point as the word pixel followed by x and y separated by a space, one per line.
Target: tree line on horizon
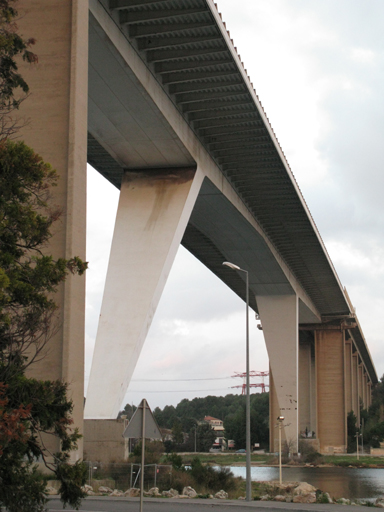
pixel 188 415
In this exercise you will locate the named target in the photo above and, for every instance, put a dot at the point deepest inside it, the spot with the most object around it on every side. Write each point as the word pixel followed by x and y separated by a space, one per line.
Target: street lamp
pixel 248 493
pixel 280 419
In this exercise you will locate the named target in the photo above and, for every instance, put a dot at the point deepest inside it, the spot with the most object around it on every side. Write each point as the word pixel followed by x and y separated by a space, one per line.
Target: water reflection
pixel 352 483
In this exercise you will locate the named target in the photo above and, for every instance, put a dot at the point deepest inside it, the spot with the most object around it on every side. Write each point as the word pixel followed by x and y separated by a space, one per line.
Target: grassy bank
pixel 233 459
pixel 351 460
pixel 226 459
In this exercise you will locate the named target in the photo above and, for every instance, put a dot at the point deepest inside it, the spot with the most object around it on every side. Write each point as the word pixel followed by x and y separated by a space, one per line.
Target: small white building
pixel 218 426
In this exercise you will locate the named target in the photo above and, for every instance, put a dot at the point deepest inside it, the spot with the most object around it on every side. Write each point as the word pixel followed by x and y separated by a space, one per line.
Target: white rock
pixel 221 495
pixel 132 493
pixel 190 492
pixel 172 493
pixel 279 497
pixel 116 492
pixel 307 498
pixel 154 491
pixel 105 490
pixel 303 489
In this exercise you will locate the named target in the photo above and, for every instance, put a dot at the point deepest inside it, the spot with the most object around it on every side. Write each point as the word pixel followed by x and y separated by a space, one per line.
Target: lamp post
pixel 280 419
pixel 248 493
pixel 357 443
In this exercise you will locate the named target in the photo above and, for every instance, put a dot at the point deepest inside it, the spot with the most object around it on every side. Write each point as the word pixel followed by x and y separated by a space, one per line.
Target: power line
pixel 177 390
pixel 178 380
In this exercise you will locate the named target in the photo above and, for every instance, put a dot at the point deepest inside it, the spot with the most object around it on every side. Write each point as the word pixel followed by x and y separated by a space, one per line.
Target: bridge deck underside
pixel 187 50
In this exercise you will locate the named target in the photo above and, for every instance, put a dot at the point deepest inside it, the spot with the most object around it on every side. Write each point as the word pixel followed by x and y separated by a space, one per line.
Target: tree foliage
pixel 230 409
pixel 153 452
pixel 13 88
pixel 30 410
pixel 372 420
pixel 371 425
pixel 29 278
pixel 128 411
pixel 28 281
pixel 177 432
pixel 211 478
pixel 234 424
pixel 205 437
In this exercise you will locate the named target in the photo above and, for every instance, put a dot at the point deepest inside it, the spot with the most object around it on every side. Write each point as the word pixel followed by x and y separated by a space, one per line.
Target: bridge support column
pixel 355 384
pixel 348 376
pixel 365 388
pixel 360 381
pixel 331 418
pixel 56 128
pixel 279 318
pixel 153 212
pixel 307 384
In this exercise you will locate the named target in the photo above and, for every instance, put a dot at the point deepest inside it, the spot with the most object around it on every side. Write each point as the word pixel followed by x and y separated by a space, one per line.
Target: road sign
pixel 135 426
pixel 142 425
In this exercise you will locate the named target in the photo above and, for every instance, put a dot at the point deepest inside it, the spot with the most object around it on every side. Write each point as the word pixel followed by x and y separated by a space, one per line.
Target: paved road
pixel 105 504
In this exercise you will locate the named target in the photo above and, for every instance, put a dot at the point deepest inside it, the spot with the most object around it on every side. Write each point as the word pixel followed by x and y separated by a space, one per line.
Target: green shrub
pixel 321 497
pixel 210 479
pixel 176 460
pixel 181 479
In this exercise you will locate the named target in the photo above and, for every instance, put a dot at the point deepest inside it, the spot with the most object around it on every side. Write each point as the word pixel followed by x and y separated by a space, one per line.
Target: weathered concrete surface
pixel 104 442
pixel 152 215
pixel 279 317
pixel 56 128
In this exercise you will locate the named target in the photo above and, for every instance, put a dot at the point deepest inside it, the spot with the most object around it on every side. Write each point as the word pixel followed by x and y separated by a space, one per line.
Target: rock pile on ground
pixel 291 492
pixel 188 492
pixel 154 491
pixel 172 493
pixel 132 493
pixel 288 492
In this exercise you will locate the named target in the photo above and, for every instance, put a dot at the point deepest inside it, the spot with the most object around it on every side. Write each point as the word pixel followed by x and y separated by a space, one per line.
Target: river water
pixel 351 483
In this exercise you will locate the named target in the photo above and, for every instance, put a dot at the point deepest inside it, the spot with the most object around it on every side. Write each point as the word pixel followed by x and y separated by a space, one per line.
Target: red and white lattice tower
pixel 243 376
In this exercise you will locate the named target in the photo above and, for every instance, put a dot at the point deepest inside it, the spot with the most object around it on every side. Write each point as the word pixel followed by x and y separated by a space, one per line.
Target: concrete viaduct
pixel 154 95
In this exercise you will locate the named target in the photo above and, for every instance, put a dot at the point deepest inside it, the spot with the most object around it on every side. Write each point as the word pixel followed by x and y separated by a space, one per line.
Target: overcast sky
pixel 318 69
